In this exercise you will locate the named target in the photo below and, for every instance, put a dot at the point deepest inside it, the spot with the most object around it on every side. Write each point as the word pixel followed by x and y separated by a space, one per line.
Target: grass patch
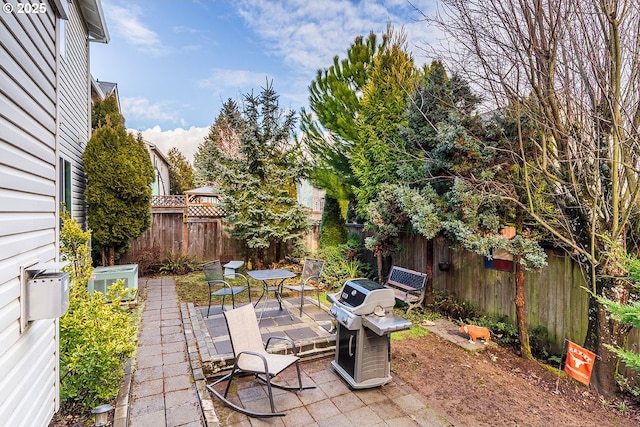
pixel 414 332
pixel 191 287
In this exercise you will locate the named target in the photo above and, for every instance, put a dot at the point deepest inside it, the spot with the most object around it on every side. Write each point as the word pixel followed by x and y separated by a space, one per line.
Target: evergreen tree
pixel 333 230
pixel 118 194
pixel 379 148
pixel 259 181
pixel 106 112
pixel 223 139
pixel 180 172
pixel 331 131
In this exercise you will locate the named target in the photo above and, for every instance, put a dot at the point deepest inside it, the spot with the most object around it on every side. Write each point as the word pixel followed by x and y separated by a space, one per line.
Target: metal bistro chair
pixel 252 357
pixel 311 272
pixel 219 287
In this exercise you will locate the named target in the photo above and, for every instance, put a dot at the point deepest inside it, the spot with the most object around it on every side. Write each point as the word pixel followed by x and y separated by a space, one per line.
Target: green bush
pixel 74 248
pixel 176 263
pixel 450 306
pixel 333 230
pixel 341 264
pixel 96 337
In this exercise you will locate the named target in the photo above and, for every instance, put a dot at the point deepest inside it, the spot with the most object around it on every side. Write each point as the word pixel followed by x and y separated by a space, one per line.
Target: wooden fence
pixel 555 298
pixel 200 237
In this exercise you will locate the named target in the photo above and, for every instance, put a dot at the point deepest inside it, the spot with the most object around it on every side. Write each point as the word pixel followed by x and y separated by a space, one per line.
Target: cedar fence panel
pixel 555 298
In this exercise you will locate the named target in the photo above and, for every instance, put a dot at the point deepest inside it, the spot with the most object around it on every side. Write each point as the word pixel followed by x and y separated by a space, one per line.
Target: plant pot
pixel 444 266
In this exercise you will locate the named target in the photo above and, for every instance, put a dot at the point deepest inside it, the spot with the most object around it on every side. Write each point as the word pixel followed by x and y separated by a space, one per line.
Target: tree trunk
pixel 259 258
pixel 278 251
pixel 602 329
pixel 428 291
pixel 521 311
pixel 112 255
pixel 379 263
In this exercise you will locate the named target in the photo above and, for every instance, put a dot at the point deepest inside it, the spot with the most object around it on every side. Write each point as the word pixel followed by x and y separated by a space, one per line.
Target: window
pixel 63 38
pixel 155 185
pixel 65 184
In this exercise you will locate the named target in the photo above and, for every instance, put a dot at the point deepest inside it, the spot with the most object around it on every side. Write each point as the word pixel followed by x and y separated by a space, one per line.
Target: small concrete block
pixel 147 388
pixel 364 416
pixel 409 403
pixel 173 358
pixel 151 419
pixel 322 409
pixel 181 382
pixel 147 374
pixel 147 405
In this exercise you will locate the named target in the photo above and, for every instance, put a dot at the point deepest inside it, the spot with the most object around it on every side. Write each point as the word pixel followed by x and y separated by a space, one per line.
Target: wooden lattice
pixel 168 201
pixel 205 211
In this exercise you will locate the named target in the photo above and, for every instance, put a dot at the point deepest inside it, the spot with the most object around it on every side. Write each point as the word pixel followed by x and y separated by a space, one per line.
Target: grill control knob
pixel 344 319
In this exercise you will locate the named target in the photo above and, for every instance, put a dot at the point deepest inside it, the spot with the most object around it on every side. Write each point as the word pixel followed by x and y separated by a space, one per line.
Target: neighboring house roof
pixel 201 190
pixel 154 149
pixel 94 18
pixel 102 90
pixel 108 88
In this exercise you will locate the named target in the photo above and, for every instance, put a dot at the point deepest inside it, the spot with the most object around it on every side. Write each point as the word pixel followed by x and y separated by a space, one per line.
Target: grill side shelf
pixel 385 324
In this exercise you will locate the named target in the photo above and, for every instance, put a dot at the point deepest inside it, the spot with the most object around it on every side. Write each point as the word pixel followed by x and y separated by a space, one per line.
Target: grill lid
pixel 362 296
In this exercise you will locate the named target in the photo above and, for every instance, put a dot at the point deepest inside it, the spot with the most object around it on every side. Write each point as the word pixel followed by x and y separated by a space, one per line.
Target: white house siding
pixel 28 158
pixel 75 107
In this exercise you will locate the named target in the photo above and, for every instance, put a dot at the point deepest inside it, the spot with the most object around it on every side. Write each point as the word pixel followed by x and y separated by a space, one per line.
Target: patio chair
pixel 218 286
pixel 310 273
pixel 252 357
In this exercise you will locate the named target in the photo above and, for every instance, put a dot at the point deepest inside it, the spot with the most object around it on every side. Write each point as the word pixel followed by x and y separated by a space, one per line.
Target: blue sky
pixel 176 62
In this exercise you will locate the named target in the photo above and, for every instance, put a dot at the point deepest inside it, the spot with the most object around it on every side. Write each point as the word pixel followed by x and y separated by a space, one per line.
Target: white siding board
pixel 26 182
pixel 41 49
pixel 74 129
pixel 41 100
pixel 9 337
pixel 21 243
pixel 43 414
pixel 32 365
pixel 26 222
pixel 26 51
pixel 21 160
pixel 17 202
pixel 9 315
pixel 28 83
pixel 9 291
pixel 40 130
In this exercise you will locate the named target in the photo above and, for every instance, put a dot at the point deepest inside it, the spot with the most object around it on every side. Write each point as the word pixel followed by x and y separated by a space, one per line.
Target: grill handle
pixel 350 342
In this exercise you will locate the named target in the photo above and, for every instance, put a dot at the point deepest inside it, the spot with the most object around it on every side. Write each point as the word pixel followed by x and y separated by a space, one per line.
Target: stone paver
pixel 177 341
pixel 163 392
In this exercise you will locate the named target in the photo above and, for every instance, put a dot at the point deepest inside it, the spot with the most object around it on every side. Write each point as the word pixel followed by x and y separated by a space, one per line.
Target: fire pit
pixel 364 312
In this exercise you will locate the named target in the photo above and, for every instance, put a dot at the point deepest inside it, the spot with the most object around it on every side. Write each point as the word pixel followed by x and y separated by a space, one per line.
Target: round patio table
pixel 276 277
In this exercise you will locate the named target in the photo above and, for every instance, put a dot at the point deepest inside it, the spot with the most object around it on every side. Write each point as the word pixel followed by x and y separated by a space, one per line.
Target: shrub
pixel 74 248
pixel 338 267
pixel 450 306
pixel 176 263
pixel 95 337
pixel 148 260
pixel 333 230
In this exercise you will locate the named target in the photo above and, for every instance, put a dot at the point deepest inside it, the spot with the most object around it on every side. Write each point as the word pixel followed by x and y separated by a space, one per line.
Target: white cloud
pixel 142 108
pixel 127 24
pixel 186 140
pixel 308 34
pixel 220 77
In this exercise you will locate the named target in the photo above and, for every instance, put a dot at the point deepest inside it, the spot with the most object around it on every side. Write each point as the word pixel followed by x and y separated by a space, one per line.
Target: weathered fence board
pixel 554 295
pixel 202 238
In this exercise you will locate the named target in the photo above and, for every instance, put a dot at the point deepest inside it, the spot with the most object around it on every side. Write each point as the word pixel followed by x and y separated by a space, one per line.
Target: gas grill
pixel 364 312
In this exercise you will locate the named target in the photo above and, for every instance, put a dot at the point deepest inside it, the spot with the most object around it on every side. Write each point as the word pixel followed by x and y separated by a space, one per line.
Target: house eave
pixel 95 20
